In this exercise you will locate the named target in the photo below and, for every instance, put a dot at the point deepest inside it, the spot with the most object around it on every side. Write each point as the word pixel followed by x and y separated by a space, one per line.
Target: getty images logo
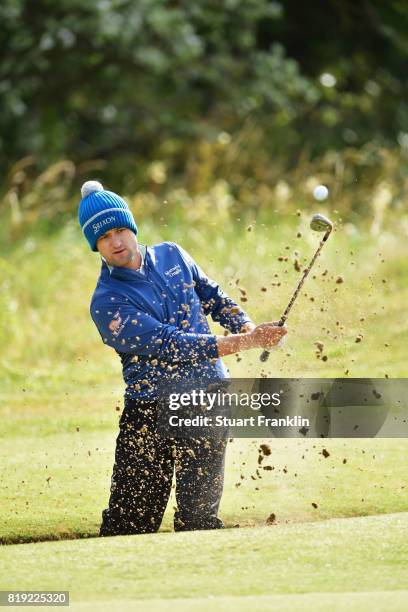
pixel 97 226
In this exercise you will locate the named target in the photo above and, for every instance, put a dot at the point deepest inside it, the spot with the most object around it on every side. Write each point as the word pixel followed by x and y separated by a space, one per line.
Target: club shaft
pixel 265 354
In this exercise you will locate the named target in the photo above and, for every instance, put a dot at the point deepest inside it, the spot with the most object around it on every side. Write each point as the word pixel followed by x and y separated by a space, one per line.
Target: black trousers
pixel 143 472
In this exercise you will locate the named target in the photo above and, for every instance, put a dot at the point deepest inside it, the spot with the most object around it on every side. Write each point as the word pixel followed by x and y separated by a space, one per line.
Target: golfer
pixel 151 305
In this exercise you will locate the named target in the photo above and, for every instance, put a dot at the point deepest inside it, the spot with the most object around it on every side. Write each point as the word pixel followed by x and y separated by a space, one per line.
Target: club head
pixel 320 223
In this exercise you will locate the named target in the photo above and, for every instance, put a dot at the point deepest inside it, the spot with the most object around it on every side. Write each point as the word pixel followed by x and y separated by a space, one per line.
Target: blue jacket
pixel 156 319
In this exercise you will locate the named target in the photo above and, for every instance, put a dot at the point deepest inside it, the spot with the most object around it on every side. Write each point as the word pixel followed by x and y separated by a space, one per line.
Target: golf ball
pixel 320 192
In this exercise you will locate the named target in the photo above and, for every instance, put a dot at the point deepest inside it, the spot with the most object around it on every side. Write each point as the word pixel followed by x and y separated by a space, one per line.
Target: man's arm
pixel 247 327
pixel 128 330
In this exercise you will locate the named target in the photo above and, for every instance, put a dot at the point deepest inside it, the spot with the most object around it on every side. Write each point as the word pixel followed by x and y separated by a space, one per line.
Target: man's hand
pixel 268 335
pixel 263 336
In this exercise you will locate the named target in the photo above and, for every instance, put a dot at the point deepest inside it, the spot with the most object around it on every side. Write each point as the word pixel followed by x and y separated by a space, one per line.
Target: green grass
pixel 381 601
pixel 338 556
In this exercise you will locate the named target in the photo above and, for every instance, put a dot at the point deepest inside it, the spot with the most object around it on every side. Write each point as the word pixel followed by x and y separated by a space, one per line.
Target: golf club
pixel 319 223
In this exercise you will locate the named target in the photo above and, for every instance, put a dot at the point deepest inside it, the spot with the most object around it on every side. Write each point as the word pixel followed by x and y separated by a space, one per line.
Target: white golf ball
pixel 320 192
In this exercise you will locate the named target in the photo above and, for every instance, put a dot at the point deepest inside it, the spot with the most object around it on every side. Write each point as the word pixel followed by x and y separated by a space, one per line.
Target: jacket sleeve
pixel 215 302
pixel 129 330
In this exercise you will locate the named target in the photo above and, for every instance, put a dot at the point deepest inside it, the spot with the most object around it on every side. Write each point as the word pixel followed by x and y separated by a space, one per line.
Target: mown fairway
pixel 358 556
pixel 60 394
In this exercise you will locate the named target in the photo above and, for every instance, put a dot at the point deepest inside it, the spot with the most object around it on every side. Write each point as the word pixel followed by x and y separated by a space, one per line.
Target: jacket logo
pixel 173 271
pixel 97 226
pixel 115 323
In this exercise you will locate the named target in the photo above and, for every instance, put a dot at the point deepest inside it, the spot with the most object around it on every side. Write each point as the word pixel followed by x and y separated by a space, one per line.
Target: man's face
pixel 118 247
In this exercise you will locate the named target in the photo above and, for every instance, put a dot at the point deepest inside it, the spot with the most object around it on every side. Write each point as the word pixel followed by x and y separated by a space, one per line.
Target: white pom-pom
pixel 90 187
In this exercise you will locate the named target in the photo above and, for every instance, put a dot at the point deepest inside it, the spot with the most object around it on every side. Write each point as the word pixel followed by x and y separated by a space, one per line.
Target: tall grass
pixel 229 178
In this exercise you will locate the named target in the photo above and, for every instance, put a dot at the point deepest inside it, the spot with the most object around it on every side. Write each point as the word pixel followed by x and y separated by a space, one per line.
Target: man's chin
pixel 123 263
pixel 123 259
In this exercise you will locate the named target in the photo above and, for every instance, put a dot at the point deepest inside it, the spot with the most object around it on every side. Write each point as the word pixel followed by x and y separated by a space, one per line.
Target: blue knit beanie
pixel 100 211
